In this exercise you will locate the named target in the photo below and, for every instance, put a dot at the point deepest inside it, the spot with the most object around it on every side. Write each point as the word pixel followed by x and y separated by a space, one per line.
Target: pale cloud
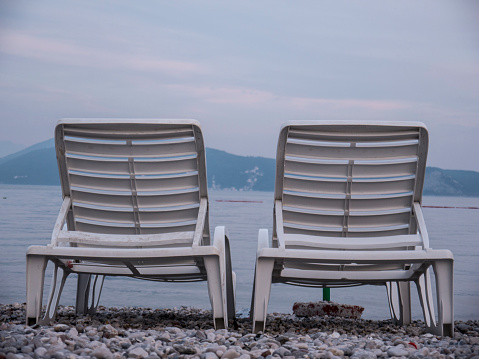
pixel 61 52
pixel 376 105
pixel 225 95
pixel 249 96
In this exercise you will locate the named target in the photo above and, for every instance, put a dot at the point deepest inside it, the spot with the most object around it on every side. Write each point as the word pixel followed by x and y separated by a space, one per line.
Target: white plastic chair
pixel 135 203
pixel 347 212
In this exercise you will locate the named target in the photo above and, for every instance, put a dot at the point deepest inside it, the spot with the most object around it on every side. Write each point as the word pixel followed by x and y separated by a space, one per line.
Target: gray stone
pixel 282 352
pixel 27 349
pixel 200 335
pixel 61 327
pixel 211 337
pixel 102 352
pixel 137 352
pixel 363 354
pixel 397 352
pixel 165 336
pixel 125 345
pixel 183 349
pixel 336 352
pixel 210 355
pixel 463 328
pixel 10 349
pixel 230 354
pixel 40 352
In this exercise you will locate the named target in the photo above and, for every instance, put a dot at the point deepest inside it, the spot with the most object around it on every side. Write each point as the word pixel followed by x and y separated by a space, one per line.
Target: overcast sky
pixel 242 68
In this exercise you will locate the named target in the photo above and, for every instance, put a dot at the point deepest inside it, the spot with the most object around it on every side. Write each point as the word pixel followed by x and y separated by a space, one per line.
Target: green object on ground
pixel 327 294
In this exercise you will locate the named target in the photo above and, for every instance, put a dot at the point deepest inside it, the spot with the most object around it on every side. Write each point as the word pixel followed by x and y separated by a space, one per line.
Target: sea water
pixel 28 213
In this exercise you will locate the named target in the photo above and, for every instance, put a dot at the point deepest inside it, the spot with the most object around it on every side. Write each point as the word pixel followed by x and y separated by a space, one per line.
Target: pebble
pixel 114 333
pixel 397 352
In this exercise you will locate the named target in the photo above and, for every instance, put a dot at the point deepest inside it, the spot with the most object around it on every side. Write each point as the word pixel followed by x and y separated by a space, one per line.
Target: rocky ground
pixel 189 333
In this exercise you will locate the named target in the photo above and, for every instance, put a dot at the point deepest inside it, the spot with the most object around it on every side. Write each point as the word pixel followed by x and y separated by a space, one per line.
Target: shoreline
pixel 189 333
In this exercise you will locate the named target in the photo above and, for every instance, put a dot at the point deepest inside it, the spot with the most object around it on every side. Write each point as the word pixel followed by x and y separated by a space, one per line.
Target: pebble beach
pixel 188 333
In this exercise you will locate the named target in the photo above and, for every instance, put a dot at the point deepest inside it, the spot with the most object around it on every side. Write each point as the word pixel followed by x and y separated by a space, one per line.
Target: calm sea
pixel 27 215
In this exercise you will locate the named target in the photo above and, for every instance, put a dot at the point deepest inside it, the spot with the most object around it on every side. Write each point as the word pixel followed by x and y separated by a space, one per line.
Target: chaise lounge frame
pixel 135 204
pixel 347 212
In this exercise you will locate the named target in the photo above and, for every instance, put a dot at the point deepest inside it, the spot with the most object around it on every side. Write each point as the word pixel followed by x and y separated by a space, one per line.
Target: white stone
pixel 102 352
pixel 397 352
pixel 137 352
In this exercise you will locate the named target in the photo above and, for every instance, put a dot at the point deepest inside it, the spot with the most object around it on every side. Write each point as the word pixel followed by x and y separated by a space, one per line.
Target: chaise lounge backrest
pixel 349 180
pixel 142 177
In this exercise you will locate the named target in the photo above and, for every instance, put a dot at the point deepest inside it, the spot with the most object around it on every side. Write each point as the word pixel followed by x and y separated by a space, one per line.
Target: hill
pixel 36 165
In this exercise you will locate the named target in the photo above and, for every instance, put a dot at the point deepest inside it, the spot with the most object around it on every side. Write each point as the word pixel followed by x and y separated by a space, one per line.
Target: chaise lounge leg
pixel 399 296
pixel 444 275
pixel 54 297
pixel 426 299
pixel 261 292
pixel 36 266
pixel 212 265
pixel 88 283
pixel 83 293
pixel 230 282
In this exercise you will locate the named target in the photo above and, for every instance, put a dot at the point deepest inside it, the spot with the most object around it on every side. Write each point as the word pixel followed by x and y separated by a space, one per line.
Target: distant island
pixel 36 165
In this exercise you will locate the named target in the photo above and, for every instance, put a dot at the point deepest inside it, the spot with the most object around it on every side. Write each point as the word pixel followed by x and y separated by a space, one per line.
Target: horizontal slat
pixel 152 230
pixel 378 232
pixel 300 167
pixel 315 242
pixel 380 204
pixel 302 265
pixel 355 204
pixel 345 276
pixel 110 166
pixel 183 215
pixel 96 228
pixel 167 149
pixel 170 272
pixel 291 200
pixel 353 133
pixel 305 167
pixel 142 184
pixel 311 185
pixel 337 220
pixel 146 262
pixel 129 131
pixel 392 186
pixel 384 169
pixel 308 219
pixel 290 228
pixel 144 201
pixel 350 153
pixel 125 240
pixel 104 216
pixel 339 186
pixel 129 217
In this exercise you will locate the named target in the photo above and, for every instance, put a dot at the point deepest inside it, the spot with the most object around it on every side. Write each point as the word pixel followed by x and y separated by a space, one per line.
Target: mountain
pixel 439 182
pixel 36 165
pixel 48 144
pixel 227 171
pixel 8 147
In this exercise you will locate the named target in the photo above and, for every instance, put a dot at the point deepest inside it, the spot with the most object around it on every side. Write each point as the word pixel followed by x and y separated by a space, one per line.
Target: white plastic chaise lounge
pixel 347 212
pixel 135 204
